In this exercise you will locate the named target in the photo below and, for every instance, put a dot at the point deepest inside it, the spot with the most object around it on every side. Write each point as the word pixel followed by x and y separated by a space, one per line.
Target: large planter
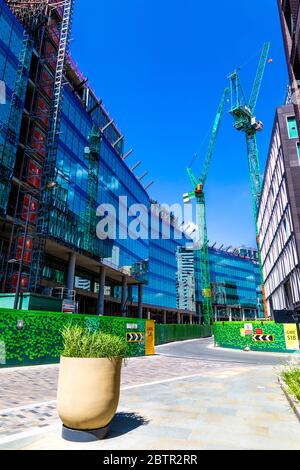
pixel 88 396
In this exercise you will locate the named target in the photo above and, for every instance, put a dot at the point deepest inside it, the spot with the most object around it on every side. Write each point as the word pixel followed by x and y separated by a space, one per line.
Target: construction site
pixel 149 271
pixel 53 179
pixel 62 155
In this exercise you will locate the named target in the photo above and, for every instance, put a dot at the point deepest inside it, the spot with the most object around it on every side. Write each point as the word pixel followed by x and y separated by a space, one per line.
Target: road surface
pixel 204 350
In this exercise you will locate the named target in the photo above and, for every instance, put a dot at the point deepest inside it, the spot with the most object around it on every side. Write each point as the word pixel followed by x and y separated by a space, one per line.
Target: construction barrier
pixel 34 338
pixel 257 336
pixel 170 333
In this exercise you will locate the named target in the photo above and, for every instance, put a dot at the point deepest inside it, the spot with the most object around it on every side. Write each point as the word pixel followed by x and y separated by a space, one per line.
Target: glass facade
pixel 87 175
pixel 120 188
pixel 11 41
pixel 235 281
pixel 186 294
pixel 151 261
pixel 114 180
pixel 161 289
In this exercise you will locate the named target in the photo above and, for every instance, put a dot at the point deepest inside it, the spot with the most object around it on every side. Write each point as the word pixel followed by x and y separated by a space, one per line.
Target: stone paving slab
pixel 27 398
pixel 166 403
pixel 158 423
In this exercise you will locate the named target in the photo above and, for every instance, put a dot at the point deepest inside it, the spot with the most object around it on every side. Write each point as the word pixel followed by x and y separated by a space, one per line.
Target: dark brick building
pixel 290 22
pixel 279 215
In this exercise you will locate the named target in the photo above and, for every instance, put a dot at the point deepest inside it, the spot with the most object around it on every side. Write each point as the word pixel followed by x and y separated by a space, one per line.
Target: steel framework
pixel 243 113
pixel 199 194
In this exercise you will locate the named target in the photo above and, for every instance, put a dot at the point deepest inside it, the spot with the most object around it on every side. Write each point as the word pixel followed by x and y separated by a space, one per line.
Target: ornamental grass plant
pixel 291 376
pixel 79 342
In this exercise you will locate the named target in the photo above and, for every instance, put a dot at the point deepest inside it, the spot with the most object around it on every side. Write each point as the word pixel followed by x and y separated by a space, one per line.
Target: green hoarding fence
pixel 31 338
pixel 264 336
pixel 34 338
pixel 170 333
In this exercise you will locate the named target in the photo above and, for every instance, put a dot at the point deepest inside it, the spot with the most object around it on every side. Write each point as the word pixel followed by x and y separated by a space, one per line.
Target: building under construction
pixel 235 282
pixel 61 156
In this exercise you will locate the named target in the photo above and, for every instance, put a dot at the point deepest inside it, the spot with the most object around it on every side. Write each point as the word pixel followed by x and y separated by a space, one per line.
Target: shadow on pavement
pixel 124 423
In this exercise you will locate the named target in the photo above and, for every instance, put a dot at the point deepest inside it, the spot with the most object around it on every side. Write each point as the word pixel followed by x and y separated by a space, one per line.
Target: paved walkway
pixel 166 403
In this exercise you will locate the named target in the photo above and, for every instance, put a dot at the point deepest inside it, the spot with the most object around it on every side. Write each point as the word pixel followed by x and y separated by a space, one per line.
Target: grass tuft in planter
pixel 89 382
pixel 291 376
pixel 82 343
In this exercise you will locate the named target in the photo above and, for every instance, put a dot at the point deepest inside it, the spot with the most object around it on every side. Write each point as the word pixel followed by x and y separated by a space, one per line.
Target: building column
pixel 130 296
pixel 243 315
pixel 140 301
pixel 229 314
pixel 165 317
pixel 216 313
pixel 149 315
pixel 101 295
pixel 124 296
pixel 71 271
pixel 179 318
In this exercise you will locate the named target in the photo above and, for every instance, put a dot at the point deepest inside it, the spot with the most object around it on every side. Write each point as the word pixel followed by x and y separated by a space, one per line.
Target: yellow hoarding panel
pixel 291 337
pixel 150 338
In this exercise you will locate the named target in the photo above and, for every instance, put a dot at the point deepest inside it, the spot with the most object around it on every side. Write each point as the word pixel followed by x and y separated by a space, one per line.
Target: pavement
pixel 190 396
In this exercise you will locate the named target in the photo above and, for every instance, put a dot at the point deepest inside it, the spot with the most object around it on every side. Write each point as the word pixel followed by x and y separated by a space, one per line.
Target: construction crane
pixel 198 194
pixel 243 113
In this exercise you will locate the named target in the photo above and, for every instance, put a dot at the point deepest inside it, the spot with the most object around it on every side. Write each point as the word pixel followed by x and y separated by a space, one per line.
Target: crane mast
pixel 198 194
pixel 243 113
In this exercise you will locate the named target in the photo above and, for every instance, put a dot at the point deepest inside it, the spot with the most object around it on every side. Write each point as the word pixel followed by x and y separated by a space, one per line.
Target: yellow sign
pixel 206 293
pixel 150 338
pixel 291 337
pixel 243 332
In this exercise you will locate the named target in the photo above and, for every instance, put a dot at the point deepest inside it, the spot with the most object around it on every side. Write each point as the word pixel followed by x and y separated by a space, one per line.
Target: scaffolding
pixel 32 13
pixel 11 130
pixel 49 23
pixel 47 196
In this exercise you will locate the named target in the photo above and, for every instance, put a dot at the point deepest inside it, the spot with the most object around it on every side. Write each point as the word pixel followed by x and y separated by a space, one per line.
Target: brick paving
pixel 220 407
pixel 27 397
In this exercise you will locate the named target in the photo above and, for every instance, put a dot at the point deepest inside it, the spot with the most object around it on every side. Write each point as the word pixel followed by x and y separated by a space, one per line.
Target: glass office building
pixel 161 288
pixel 236 285
pixel 13 79
pixel 11 42
pixel 60 182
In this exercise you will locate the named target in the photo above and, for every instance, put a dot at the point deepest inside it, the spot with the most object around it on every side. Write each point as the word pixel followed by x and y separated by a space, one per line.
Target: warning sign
pixel 150 338
pixel 248 329
pixel 135 337
pixel 263 338
pixel 291 337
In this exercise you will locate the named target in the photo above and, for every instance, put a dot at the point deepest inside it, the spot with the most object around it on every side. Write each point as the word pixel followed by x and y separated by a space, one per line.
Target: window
pixel 292 128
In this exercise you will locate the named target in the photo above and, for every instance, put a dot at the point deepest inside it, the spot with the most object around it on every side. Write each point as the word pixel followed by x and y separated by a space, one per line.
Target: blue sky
pixel 160 67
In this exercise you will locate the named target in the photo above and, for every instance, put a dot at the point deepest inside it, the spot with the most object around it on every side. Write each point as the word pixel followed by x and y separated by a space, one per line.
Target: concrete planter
pixel 88 396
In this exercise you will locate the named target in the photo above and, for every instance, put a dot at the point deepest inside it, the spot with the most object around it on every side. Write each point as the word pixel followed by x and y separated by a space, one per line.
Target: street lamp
pixel 51 185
